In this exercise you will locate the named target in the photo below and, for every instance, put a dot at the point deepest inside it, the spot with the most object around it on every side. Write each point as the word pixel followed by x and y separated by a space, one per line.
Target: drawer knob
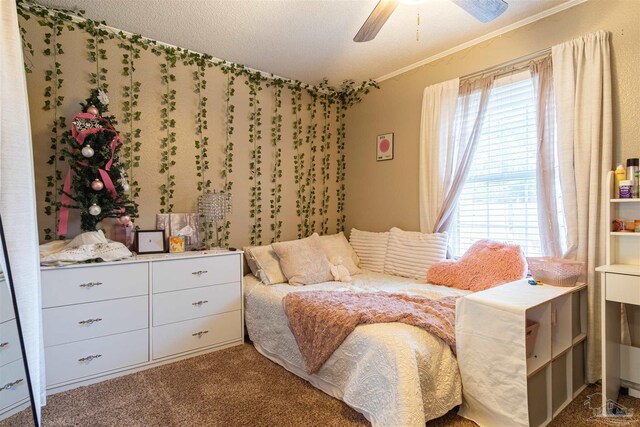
pixel 89 358
pixel 89 285
pixel 199 272
pixel 3 345
pixel 8 386
pixel 89 321
pixel 200 334
pixel 199 303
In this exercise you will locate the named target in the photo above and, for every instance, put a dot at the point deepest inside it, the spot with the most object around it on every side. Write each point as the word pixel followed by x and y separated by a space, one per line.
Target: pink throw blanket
pixel 322 320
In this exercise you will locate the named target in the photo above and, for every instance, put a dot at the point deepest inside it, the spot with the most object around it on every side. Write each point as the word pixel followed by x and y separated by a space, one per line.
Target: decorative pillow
pixel 303 261
pixel 264 264
pixel 411 253
pixel 486 264
pixel 371 248
pixel 337 246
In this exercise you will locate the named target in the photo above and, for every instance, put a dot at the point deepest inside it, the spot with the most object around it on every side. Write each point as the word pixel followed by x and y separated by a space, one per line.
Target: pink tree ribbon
pixel 80 136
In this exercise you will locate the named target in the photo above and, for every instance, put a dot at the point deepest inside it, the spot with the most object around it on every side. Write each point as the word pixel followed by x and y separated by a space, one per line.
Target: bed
pixel 394 374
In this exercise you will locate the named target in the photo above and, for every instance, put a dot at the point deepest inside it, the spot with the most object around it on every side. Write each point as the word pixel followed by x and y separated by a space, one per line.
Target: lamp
pixel 213 207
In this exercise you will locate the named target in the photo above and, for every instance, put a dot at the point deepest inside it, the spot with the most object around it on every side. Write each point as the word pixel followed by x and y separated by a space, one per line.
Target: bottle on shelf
pixel 632 175
pixel 626 189
pixel 620 175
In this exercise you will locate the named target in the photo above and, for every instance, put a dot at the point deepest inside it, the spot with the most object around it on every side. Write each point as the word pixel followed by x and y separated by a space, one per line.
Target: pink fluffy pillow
pixel 486 264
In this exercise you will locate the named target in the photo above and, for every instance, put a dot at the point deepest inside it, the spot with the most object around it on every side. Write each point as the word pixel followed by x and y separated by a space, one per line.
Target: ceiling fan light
pixel 413 2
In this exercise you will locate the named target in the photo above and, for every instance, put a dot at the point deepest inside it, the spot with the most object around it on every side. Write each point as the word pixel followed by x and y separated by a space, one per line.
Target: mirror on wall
pixel 16 394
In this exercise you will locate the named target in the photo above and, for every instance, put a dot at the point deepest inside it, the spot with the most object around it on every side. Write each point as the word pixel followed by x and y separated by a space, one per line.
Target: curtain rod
pixel 510 66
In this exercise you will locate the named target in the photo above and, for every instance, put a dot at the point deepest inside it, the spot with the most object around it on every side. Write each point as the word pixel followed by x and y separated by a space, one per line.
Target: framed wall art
pixel 384 147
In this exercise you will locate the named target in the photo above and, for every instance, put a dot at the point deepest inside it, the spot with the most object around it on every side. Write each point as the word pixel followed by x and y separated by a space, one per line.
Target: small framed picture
pixel 176 244
pixel 384 147
pixel 150 242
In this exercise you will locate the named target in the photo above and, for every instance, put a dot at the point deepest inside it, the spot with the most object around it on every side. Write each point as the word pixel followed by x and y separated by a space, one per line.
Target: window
pixel 499 197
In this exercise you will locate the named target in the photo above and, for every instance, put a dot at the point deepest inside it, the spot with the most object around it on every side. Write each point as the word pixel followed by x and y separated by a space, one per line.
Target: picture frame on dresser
pixel 150 242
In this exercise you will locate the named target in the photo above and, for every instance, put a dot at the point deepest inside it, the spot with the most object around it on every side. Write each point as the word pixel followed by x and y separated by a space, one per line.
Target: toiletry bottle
pixel 620 175
pixel 632 172
pixel 625 189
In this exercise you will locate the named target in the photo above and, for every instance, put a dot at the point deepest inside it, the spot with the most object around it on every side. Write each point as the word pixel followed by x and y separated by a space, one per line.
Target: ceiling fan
pixel 482 10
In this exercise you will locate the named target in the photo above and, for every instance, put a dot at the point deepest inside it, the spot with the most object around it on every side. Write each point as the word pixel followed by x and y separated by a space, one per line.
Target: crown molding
pixel 533 18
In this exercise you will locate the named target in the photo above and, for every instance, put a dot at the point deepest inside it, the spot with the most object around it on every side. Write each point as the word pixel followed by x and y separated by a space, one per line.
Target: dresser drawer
pixel 197 333
pixel 68 362
pixel 12 376
pixel 84 321
pixel 6 303
pixel 65 286
pixel 173 275
pixel 623 288
pixel 9 343
pixel 170 307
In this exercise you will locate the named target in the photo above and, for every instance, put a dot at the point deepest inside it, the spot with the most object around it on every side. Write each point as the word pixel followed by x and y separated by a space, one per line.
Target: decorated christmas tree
pixel 96 183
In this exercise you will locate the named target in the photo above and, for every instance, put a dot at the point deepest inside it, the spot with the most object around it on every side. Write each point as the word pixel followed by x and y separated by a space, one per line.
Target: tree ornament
pixel 97 185
pixel 124 182
pixel 87 151
pixel 124 219
pixel 95 210
pixel 93 110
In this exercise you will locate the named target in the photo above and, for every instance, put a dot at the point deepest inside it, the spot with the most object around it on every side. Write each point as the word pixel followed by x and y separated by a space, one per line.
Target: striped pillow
pixel 371 248
pixel 410 253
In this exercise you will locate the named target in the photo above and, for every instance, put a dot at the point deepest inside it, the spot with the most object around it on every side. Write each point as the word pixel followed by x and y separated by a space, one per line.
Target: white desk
pixel 620 285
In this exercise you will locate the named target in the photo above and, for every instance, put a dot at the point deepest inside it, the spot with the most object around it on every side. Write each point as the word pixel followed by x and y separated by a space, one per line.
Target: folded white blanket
pixel 86 246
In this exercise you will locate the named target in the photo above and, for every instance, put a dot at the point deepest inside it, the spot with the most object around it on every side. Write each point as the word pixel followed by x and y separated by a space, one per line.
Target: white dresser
pixel 108 319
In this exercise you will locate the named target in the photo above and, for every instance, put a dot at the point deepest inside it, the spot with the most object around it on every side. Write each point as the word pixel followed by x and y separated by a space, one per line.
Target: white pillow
pixel 336 246
pixel 304 261
pixel 371 248
pixel 264 264
pixel 411 253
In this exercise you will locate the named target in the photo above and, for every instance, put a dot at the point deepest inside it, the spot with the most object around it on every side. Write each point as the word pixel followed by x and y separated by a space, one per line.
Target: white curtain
pixel 582 84
pixel 17 193
pixel 546 162
pixel 452 119
pixel 439 103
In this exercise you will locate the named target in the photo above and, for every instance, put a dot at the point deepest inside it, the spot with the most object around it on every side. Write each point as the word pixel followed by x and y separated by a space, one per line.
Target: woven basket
pixel 555 271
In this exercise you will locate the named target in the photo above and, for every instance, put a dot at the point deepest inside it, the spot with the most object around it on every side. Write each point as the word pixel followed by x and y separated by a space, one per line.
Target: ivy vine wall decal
pixel 131 116
pixel 188 128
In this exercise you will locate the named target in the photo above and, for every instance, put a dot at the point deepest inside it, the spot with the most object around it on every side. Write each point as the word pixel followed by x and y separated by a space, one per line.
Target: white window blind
pixel 499 197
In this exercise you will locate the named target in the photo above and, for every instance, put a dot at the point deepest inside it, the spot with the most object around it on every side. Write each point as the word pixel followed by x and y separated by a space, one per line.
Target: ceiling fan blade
pixel 376 20
pixel 483 10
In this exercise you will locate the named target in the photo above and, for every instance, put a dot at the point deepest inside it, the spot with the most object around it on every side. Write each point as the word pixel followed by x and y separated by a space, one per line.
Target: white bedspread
pixel 394 374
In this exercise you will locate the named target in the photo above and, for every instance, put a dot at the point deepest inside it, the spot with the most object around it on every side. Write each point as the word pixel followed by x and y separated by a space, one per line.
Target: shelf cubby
pixel 541 349
pixel 579 315
pixel 561 389
pixel 539 398
pixel 561 338
pixel 578 365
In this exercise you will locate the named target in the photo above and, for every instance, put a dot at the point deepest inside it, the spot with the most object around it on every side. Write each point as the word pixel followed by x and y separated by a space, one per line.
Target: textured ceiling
pixel 303 39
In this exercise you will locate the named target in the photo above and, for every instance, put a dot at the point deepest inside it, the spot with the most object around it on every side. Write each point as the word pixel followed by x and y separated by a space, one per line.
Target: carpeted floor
pixel 232 387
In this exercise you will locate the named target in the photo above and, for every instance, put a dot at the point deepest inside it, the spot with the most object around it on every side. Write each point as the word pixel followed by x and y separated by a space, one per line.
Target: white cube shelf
pixel 495 353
